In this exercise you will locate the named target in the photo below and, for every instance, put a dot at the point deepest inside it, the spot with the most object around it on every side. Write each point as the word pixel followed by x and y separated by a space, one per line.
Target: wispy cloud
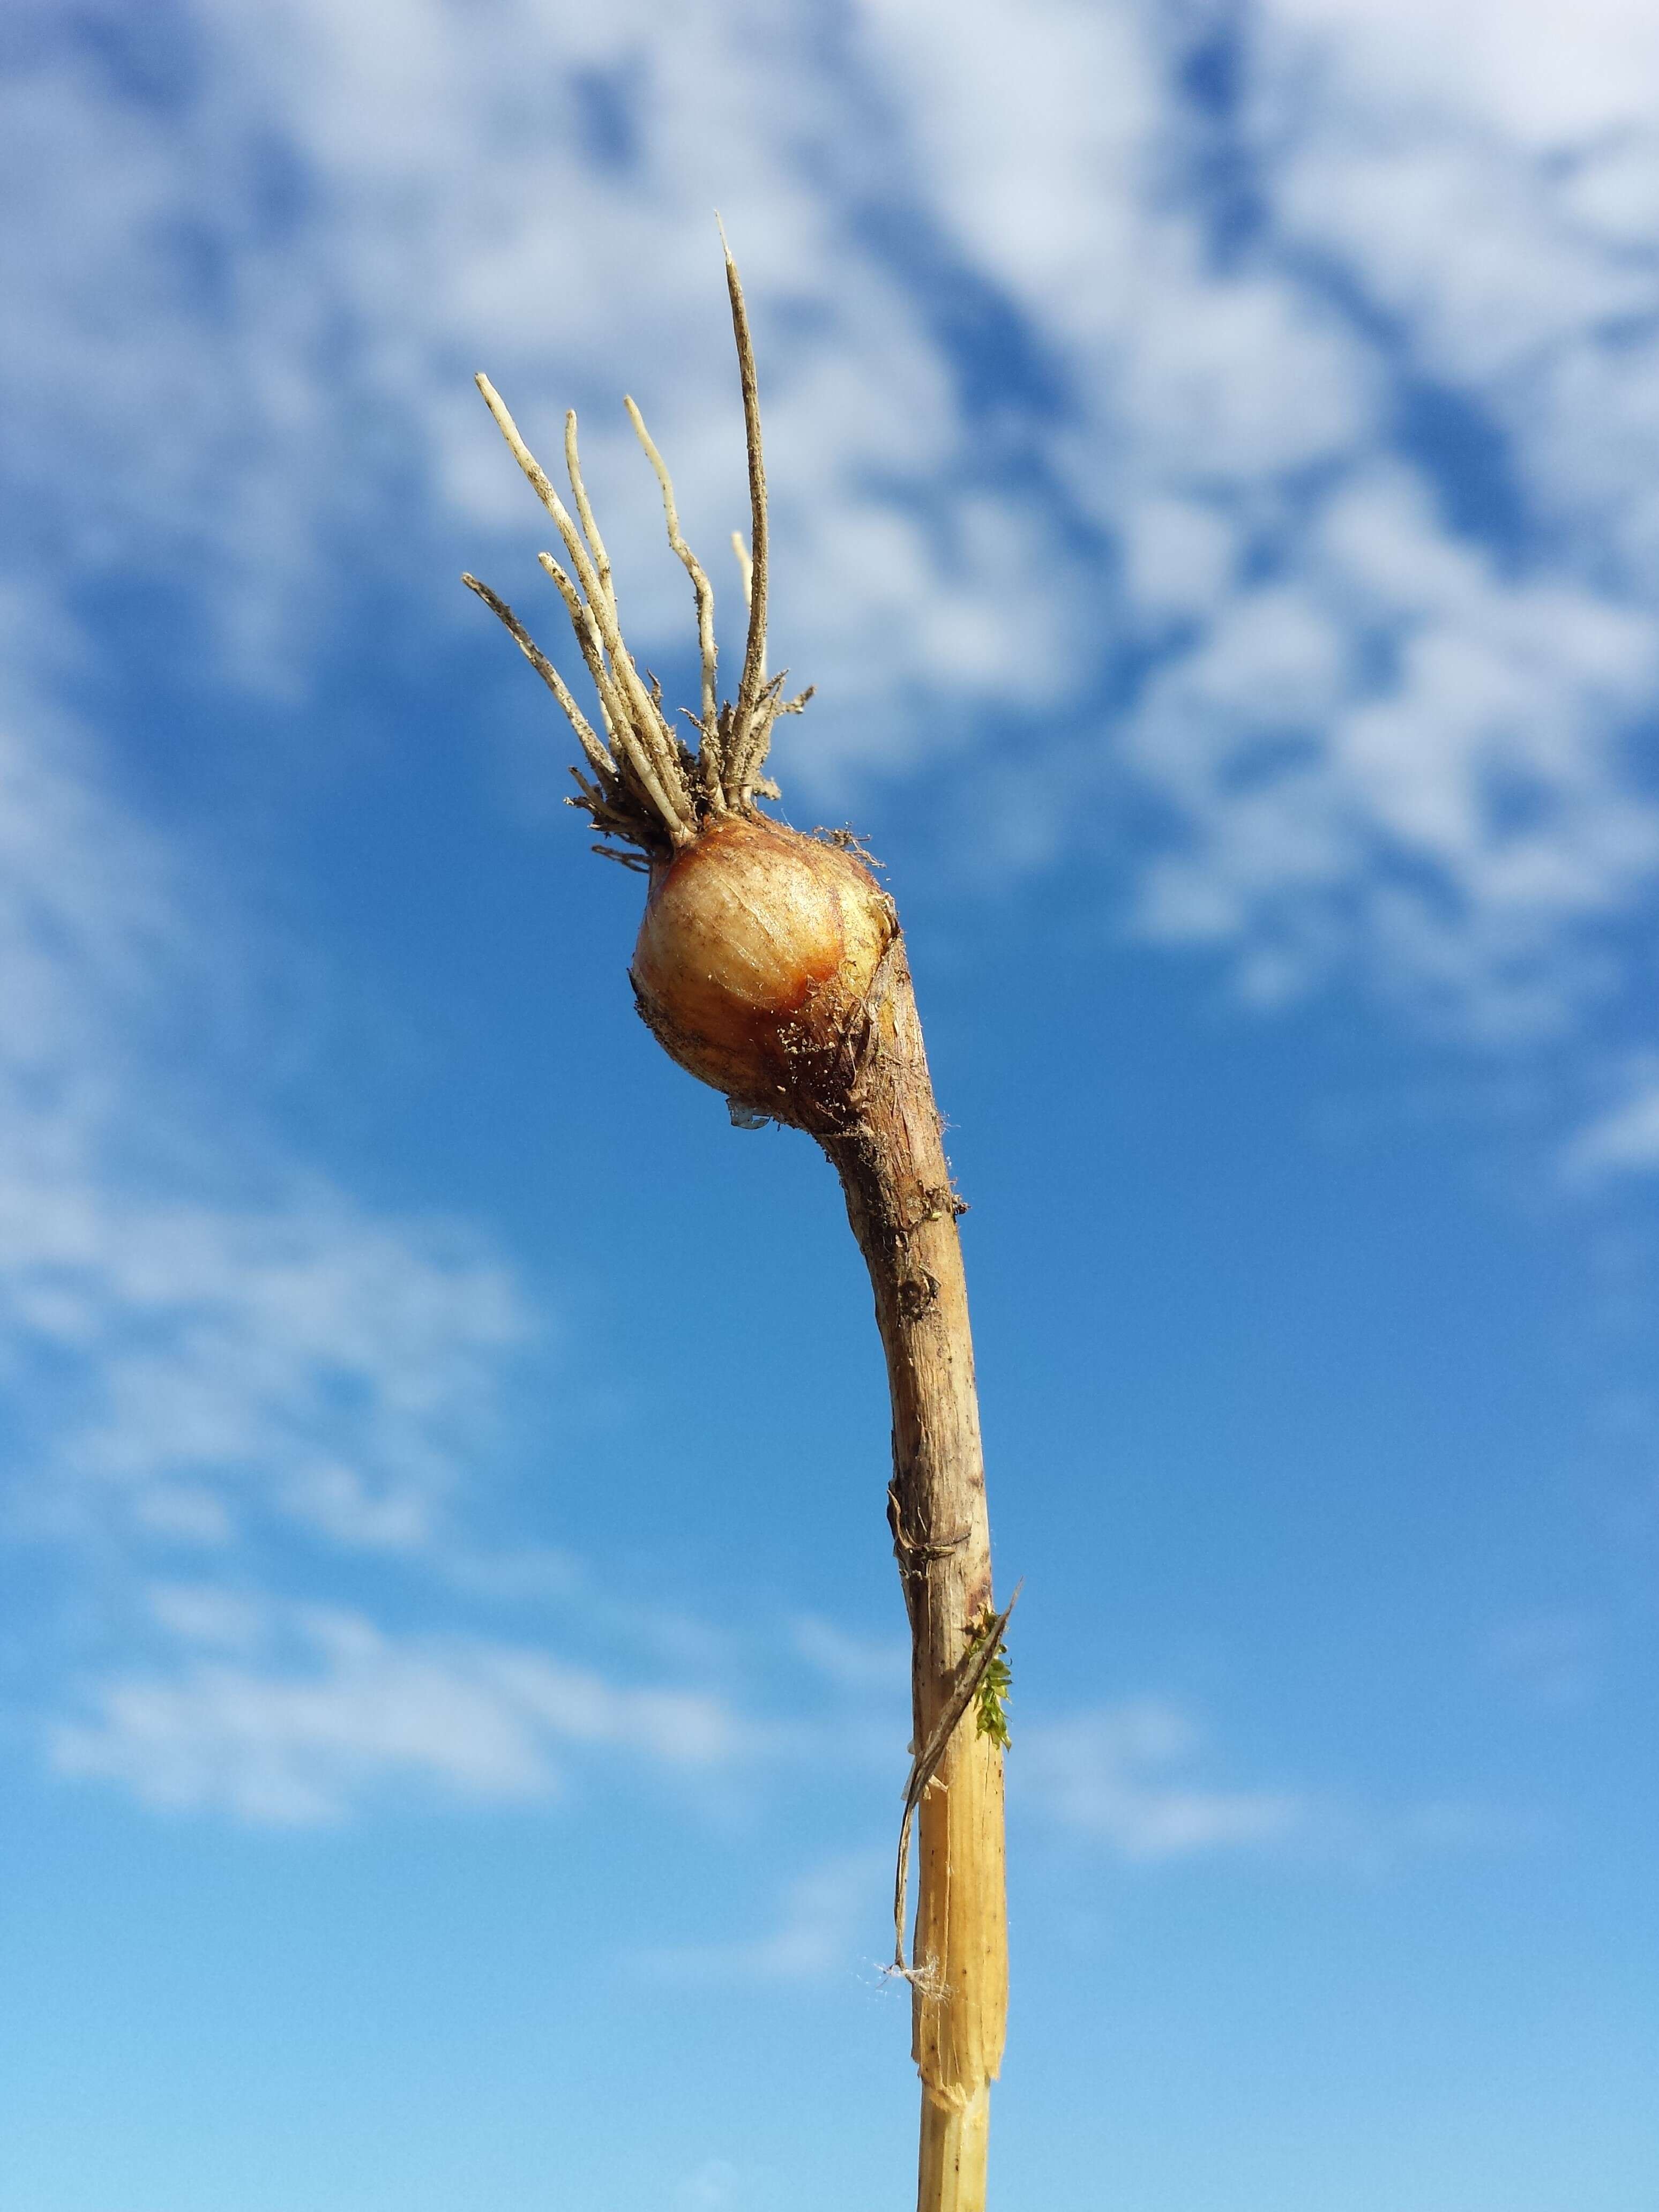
pixel 1555 1659
pixel 713 2184
pixel 1134 1782
pixel 827 1922
pixel 1623 1138
pixel 860 1664
pixel 1135 1779
pixel 1322 452
pixel 1117 1776
pixel 1324 440
pixel 306 1362
pixel 298 1714
pixel 1339 350
pixel 207 1337
pixel 207 1342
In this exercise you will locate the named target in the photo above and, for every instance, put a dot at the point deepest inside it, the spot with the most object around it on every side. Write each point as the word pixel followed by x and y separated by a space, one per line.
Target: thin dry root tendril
pixel 543 667
pixel 572 468
pixel 638 778
pixel 649 788
pixel 636 728
pixel 975 1668
pixel 754 659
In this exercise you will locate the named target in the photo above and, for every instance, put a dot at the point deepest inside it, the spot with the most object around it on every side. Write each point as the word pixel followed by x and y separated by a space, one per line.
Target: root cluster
pixel 644 788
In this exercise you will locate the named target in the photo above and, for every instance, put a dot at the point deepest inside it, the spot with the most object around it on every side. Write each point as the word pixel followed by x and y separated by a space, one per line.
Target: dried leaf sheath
pixel 772 966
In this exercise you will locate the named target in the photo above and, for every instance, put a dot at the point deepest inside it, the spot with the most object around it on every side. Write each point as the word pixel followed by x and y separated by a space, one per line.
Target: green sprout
pixel 996 1686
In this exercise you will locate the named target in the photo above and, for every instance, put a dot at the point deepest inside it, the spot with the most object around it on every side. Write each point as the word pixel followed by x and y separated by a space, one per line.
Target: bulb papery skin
pixel 756 954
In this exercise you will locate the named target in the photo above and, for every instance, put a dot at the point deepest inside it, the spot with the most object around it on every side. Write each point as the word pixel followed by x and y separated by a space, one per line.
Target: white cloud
pixel 333 220
pixel 198 1614
pixel 306 1361
pixel 1441 800
pixel 1557 1659
pixel 1128 1777
pixel 210 1345
pixel 831 1917
pixel 1180 556
pixel 1623 1138
pixel 1114 1775
pixel 203 1339
pixel 863 1664
pixel 331 229
pixel 1389 734
pixel 202 1336
pixel 712 2184
pixel 1527 66
pixel 295 1714
pixel 1404 733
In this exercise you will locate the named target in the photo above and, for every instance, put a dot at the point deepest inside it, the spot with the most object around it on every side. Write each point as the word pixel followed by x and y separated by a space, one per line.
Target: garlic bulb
pixel 758 948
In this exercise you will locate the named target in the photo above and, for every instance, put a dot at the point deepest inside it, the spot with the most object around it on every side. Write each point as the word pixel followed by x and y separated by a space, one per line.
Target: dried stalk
pixel 741 908
pixel 903 1212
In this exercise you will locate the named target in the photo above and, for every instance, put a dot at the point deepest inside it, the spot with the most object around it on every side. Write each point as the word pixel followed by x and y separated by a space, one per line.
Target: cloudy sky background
pixel 451 1679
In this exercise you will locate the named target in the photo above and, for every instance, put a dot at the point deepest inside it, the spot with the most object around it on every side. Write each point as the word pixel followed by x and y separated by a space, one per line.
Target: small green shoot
pixel 996 1686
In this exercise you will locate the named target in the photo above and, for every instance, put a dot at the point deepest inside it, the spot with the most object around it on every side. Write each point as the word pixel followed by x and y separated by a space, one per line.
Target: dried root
pixel 645 787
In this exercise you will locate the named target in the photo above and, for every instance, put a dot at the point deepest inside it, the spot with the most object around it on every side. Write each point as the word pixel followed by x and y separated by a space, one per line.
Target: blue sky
pixel 452 1679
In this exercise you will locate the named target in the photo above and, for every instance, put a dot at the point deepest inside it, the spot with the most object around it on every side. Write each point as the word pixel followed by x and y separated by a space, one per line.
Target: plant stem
pixel 903 1212
pixel 783 981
